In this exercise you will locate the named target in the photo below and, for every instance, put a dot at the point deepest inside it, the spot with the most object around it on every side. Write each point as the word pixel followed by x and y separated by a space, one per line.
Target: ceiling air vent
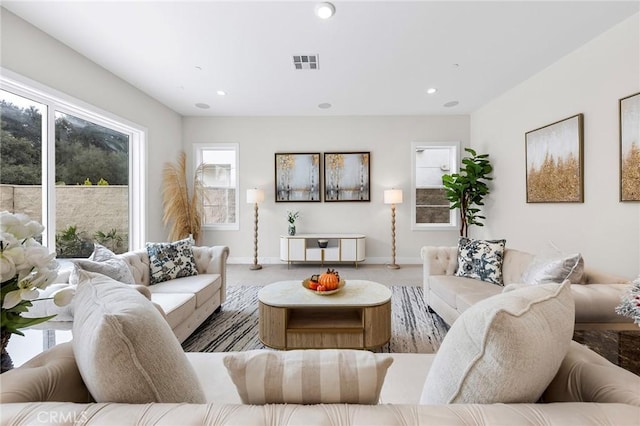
pixel 306 62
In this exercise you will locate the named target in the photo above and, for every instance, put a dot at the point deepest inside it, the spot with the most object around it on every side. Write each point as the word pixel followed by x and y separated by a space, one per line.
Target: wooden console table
pixel 357 317
pixel 305 248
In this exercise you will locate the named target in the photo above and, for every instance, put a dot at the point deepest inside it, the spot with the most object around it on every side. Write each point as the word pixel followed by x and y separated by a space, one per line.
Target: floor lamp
pixel 255 197
pixel 393 197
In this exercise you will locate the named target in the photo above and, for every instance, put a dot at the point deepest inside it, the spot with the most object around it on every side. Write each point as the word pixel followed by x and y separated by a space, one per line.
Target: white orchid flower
pixel 64 296
pixel 42 278
pixel 20 225
pixel 37 255
pixel 24 292
pixel 11 262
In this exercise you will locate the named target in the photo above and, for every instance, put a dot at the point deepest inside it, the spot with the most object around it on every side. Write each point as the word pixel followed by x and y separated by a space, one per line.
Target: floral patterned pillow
pixel 481 259
pixel 171 260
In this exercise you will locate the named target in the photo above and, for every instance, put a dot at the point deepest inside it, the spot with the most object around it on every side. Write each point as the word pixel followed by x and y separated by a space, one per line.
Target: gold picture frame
pixel 629 131
pixel 555 163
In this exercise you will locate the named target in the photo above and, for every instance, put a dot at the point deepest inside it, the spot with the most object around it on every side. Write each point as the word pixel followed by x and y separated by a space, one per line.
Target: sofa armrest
pixel 50 376
pixel 213 260
pixel 585 376
pixel 592 276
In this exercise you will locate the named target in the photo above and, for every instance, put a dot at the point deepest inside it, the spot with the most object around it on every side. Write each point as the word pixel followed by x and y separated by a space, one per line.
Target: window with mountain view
pixel 84 168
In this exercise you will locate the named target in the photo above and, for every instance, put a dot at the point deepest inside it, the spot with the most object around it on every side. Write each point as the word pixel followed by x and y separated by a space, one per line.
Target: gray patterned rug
pixel 235 327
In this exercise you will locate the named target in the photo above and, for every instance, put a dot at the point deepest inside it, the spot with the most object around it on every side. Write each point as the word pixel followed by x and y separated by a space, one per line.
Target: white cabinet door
pixel 352 249
pixel 297 249
pixel 292 249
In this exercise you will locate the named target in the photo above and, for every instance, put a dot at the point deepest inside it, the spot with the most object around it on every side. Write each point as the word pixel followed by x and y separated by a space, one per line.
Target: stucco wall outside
pixel 89 208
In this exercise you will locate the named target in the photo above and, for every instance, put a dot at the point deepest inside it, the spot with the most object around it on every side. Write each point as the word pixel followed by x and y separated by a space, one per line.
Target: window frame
pixel 454 161
pixel 198 149
pixel 55 100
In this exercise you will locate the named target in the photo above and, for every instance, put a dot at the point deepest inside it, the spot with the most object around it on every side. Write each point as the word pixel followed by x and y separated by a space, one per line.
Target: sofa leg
pixel 431 311
pixel 218 309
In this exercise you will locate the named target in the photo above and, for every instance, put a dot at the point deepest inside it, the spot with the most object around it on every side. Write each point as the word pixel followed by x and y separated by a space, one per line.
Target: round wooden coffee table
pixel 292 317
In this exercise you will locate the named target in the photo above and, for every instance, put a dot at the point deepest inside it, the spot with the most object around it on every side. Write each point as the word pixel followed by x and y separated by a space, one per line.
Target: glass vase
pixel 292 229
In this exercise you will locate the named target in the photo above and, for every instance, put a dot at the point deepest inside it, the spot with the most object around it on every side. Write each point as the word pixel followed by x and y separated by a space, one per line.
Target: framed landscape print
pixel 346 176
pixel 629 111
pixel 298 177
pixel 554 162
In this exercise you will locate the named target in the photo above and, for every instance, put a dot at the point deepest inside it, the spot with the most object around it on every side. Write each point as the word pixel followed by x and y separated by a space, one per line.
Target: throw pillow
pixel 556 269
pixel 481 259
pixel 312 376
pixel 168 261
pixel 105 262
pixel 504 349
pixel 125 351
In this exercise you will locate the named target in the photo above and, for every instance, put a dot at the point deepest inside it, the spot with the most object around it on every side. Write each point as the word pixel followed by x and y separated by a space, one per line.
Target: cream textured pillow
pixel 312 376
pixel 105 262
pixel 543 270
pixel 125 351
pixel 504 349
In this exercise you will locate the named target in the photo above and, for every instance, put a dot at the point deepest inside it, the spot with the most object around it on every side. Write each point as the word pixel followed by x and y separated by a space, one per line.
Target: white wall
pixel 590 80
pixel 387 138
pixel 28 51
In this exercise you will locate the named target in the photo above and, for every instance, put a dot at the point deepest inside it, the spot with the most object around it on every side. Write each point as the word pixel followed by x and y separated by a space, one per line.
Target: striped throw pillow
pixel 310 376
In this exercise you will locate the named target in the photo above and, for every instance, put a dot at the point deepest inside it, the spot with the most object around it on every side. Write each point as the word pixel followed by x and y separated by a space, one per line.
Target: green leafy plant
pixel 102 182
pixel 71 243
pixel 467 189
pixel 111 240
pixel 87 182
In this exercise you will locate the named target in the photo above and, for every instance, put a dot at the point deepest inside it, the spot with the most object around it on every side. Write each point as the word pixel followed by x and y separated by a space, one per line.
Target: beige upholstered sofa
pixel 185 302
pixel 587 390
pixel 449 295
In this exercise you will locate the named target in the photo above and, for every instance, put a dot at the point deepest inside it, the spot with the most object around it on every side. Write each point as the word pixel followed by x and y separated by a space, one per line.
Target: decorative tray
pixel 306 281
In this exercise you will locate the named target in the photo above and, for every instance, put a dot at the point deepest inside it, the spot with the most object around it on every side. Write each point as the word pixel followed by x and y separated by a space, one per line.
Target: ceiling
pixel 375 58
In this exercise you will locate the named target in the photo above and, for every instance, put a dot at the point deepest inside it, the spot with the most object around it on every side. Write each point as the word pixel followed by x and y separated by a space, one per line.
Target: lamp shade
pixel 393 196
pixel 255 196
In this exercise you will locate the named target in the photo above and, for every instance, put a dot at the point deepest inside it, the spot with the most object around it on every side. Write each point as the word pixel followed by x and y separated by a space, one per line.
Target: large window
pixel 217 170
pixel 76 170
pixel 430 206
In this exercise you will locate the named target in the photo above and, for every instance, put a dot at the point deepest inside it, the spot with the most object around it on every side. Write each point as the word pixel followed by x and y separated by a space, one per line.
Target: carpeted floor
pixel 235 327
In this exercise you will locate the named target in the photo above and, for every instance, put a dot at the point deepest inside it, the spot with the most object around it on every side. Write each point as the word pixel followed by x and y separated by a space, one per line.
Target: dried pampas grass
pixel 183 211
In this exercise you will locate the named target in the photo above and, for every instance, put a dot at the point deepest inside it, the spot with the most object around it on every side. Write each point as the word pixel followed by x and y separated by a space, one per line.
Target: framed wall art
pixel 297 177
pixel 554 162
pixel 346 176
pixel 629 112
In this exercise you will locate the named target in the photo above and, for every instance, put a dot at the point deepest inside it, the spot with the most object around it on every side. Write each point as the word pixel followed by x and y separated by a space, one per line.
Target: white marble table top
pixel 288 294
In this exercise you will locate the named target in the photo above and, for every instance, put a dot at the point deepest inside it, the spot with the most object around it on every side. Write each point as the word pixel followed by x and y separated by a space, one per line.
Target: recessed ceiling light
pixel 325 10
pixel 202 105
pixel 324 105
pixel 432 90
pixel 451 104
pixel 221 93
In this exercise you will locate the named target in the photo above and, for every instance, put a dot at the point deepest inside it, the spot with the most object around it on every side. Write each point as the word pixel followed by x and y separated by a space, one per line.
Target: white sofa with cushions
pixel 124 367
pixel 185 302
pixel 596 295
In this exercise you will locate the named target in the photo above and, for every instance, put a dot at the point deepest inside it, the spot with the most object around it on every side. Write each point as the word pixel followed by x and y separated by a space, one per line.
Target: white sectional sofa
pixel 587 390
pixel 185 302
pixel 596 297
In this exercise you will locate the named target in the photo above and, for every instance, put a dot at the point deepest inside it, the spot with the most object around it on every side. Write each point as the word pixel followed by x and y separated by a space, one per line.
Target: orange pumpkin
pixel 329 280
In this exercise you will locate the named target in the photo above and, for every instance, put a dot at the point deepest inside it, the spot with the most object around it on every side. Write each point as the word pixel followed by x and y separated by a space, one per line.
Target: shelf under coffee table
pixel 292 317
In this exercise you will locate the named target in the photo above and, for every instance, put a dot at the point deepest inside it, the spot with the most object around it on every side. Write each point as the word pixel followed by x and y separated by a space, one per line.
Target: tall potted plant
pixel 467 189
